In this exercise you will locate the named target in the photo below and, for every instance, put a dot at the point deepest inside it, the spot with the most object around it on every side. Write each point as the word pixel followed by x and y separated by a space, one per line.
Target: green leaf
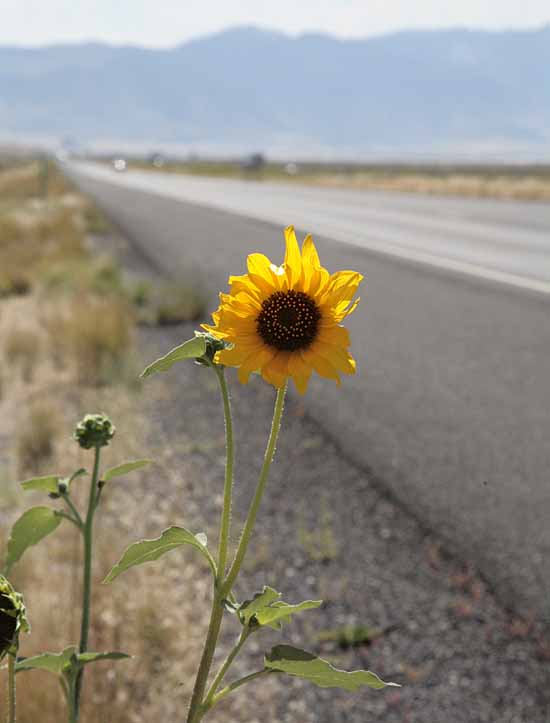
pixel 280 612
pixel 124 468
pixel 60 663
pixel 52 662
pixel 191 349
pixel 44 484
pixel 249 608
pixel 28 530
pixel 266 608
pixel 349 636
pixel 85 658
pixel 50 483
pixel 79 473
pixel 150 550
pixel 293 661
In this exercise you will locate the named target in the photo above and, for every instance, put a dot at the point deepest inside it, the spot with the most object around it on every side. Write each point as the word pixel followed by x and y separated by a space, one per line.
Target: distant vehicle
pixel 61 156
pixel 254 162
pixel 157 160
pixel 291 168
pixel 119 164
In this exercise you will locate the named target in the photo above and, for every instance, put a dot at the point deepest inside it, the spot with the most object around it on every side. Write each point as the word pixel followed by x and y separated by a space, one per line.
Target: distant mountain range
pixel 249 89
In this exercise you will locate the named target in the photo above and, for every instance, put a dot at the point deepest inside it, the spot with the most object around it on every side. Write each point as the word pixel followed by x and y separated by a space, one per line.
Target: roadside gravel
pixel 329 530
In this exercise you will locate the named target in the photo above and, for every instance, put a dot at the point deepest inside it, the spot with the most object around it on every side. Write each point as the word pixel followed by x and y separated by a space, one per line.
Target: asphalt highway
pixel 450 409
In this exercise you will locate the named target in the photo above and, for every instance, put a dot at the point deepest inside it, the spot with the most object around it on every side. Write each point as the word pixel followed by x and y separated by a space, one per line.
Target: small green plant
pixel 140 293
pixel 283 322
pixel 166 304
pixel 320 542
pixel 270 323
pixel 353 636
pixel 93 433
pixel 176 303
pixel 95 221
pixel 13 621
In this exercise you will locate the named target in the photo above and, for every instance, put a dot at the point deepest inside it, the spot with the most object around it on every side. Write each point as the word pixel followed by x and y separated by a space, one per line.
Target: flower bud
pixel 95 430
pixel 12 618
pixel 213 345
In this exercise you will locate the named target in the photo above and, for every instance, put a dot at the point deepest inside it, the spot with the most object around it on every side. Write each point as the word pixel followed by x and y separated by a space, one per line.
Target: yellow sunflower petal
pixel 300 372
pixel 231 357
pixel 244 285
pixel 260 273
pixel 293 258
pixel 301 383
pixel 322 366
pixel 310 257
pixel 276 371
pixel 243 374
pixel 258 264
pixel 344 309
pixel 257 359
pixel 310 263
pixel 339 358
pixel 334 334
pixel 342 286
pixel 257 325
pixel 318 282
pixel 241 304
pixel 229 321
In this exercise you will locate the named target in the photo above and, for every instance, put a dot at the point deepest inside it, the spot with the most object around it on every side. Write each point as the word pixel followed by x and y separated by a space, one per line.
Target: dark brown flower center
pixel 289 320
pixel 8 623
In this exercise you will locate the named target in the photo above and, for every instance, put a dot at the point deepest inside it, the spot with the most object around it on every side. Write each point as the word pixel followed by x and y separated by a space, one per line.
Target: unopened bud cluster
pixel 95 430
pixel 213 345
pixel 12 618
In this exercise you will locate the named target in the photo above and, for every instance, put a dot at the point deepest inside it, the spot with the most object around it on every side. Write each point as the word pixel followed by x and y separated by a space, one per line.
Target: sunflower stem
pixel 228 485
pixel 233 686
pixel 76 514
pixel 226 665
pixel 87 532
pixel 11 689
pixel 216 614
pixel 255 505
pixel 197 707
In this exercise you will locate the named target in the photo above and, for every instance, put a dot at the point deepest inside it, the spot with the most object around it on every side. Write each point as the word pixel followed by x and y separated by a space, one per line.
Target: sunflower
pixel 284 321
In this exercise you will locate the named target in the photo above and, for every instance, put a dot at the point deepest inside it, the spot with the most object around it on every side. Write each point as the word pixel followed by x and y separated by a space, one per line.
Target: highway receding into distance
pixel 450 407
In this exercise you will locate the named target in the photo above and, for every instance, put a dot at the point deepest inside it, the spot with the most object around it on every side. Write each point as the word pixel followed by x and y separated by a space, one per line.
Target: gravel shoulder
pixel 329 529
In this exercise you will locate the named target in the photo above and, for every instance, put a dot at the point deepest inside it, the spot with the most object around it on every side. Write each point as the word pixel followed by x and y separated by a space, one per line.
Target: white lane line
pixel 175 188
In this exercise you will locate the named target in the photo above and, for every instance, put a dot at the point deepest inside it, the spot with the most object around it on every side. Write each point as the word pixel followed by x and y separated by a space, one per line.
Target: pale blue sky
pixel 163 23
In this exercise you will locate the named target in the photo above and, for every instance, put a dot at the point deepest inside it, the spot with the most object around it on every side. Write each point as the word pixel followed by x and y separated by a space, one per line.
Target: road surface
pixel 450 408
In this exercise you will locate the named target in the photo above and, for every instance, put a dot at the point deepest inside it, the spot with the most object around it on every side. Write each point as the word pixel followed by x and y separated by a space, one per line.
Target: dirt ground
pixel 394 600
pixel 329 530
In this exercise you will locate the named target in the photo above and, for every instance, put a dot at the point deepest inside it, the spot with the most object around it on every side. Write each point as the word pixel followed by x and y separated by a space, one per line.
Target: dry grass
pixel 37 178
pixel 156 613
pixel 168 303
pixel 530 182
pixel 36 437
pixel 176 303
pixel 472 185
pixel 93 335
pixel 96 222
pixel 32 240
pixel 84 275
pixel 22 349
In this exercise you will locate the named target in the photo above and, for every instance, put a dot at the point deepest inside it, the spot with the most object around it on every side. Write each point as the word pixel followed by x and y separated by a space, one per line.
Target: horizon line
pixel 276 31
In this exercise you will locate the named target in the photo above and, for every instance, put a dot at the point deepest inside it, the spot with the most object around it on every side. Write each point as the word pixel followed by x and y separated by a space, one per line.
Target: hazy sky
pixel 169 22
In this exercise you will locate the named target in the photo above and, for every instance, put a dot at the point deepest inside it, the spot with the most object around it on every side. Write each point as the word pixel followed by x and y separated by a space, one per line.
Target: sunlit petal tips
pixel 284 321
